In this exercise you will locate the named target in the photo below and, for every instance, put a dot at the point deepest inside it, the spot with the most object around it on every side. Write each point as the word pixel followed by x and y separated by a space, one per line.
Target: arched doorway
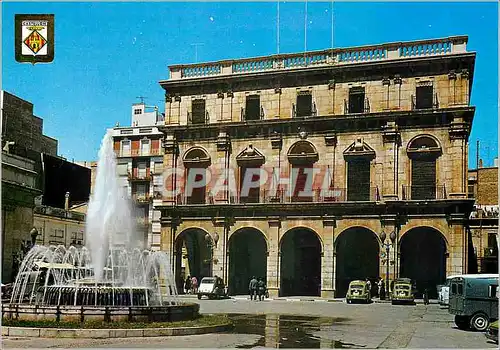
pixel 192 256
pixel 423 258
pixel 247 258
pixel 357 257
pixel 423 152
pixel 300 267
pixel 196 161
pixel 302 156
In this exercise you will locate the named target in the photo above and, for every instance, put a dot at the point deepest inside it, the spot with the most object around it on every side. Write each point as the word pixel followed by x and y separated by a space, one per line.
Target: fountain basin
pixel 65 313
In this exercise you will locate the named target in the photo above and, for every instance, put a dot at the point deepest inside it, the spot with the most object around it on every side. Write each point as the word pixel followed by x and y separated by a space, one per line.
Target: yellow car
pixel 358 291
pixel 402 292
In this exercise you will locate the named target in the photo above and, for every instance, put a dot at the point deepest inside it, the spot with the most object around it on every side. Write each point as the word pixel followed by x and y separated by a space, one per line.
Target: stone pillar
pixel 458 132
pixel 219 241
pixel 272 331
pixel 327 267
pixel 390 135
pixel 167 239
pixel 456 263
pixel 273 257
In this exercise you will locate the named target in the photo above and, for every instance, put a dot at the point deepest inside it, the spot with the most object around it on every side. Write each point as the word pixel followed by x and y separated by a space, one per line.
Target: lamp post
pixel 387 246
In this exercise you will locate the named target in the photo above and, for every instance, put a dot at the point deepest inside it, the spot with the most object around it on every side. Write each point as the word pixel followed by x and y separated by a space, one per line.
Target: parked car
pixel 474 302
pixel 402 292
pixel 492 332
pixel 358 291
pixel 212 287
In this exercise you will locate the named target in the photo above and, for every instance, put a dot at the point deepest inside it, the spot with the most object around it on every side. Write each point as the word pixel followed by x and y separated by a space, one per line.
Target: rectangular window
pixel 125 148
pixel 253 194
pixel 198 111
pixel 454 288
pixel 358 180
pixel 58 233
pixel 158 168
pixel 122 169
pixel 140 190
pixel 304 104
pixel 145 147
pixel 423 179
pixel 357 100
pixel 300 185
pixel 137 111
pixel 252 111
pixel 492 291
pixel 424 97
pixel 141 169
pixel 460 289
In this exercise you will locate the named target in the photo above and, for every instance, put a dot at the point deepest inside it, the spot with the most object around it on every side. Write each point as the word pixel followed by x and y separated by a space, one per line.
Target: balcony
pixel 324 58
pixel 423 192
pixel 139 177
pixel 198 119
pixel 423 104
pixel 139 153
pixel 281 196
pixel 350 108
pixel 141 198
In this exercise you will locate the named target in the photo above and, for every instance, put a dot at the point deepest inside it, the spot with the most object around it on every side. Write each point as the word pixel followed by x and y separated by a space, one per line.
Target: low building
pixel 483 222
pixel 58 226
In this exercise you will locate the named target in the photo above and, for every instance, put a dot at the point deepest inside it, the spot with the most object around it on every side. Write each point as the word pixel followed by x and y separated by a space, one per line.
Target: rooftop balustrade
pixel 329 57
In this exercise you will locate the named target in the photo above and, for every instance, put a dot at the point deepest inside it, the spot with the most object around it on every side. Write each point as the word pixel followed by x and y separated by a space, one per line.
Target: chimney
pixel 480 163
pixel 66 201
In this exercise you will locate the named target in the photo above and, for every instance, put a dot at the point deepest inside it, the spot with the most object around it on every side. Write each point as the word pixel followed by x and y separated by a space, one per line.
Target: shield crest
pixel 34 38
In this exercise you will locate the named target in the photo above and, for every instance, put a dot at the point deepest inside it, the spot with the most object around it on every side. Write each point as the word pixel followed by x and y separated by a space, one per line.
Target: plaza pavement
pixel 376 325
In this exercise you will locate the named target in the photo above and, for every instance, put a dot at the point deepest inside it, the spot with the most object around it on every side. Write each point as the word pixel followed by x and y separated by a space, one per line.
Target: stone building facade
pixel 386 129
pixel 57 226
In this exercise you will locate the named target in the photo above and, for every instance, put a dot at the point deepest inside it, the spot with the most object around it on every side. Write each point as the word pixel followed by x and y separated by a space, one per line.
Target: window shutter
pixel 358 180
pixel 423 179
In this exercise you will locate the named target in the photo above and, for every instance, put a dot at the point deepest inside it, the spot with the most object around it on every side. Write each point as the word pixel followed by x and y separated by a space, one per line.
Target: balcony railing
pixel 197 120
pixel 244 116
pixel 330 57
pixel 423 192
pixel 282 196
pixel 139 153
pixel 313 113
pixel 415 105
pixel 141 198
pixel 139 177
pixel 350 110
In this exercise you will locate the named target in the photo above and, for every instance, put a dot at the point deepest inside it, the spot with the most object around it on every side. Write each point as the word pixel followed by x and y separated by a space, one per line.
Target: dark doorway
pixel 301 175
pixel 304 104
pixel 300 268
pixel 198 111
pixel 423 178
pixel 357 258
pixel 358 179
pixel 253 107
pixel 247 258
pixel 357 100
pixel 423 259
pixel 253 193
pixel 192 257
pixel 424 97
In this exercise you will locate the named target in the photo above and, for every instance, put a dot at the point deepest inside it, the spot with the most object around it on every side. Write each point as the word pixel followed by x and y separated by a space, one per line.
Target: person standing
pixel 426 296
pixel 261 285
pixel 382 290
pixel 194 284
pixel 187 285
pixel 252 288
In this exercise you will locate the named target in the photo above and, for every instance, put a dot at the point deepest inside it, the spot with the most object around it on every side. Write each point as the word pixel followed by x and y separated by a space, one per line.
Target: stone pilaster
pixel 456 262
pixel 273 257
pixel 327 267
pixel 167 239
pixel 219 246
pixel 391 137
pixel 458 132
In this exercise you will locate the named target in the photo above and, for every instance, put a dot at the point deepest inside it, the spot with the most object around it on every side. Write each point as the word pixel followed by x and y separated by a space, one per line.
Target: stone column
pixel 219 241
pixel 327 267
pixel 272 331
pixel 458 132
pixel 456 263
pixel 391 139
pixel 167 239
pixel 273 257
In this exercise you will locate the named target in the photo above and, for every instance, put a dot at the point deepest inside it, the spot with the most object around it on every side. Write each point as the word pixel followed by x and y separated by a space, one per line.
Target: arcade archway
pixel 192 256
pixel 423 258
pixel 247 258
pixel 357 258
pixel 300 267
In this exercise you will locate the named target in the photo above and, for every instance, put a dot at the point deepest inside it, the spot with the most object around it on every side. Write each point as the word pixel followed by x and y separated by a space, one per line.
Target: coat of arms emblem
pixel 34 38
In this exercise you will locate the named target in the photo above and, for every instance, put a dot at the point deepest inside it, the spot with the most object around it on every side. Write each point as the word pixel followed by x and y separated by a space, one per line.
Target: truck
pixel 474 301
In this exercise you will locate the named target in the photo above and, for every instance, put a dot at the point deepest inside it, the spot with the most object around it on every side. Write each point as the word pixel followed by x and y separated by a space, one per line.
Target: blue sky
pixel 107 54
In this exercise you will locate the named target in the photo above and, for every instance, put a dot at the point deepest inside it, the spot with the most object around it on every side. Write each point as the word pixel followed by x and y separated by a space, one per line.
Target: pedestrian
pixel 382 290
pixel 426 296
pixel 194 284
pixel 261 285
pixel 187 285
pixel 252 288
pixel 369 284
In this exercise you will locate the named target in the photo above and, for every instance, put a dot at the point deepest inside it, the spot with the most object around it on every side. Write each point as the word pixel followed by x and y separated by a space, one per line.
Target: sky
pixel 108 54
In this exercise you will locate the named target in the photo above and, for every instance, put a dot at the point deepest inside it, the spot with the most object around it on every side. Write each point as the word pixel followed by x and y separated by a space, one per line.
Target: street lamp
pixel 387 246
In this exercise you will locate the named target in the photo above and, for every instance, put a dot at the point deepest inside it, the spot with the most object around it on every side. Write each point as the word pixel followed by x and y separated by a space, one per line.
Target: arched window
pixel 196 161
pixel 302 156
pixel 423 152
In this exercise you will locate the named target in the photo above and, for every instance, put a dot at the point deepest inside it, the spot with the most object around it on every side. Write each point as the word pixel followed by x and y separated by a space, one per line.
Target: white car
pixel 212 287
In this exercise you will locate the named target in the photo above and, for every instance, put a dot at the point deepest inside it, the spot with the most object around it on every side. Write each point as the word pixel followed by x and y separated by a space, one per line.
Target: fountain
pixel 112 278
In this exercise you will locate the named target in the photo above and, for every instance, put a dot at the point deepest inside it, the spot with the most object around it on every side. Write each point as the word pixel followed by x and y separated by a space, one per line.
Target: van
pixel 444 289
pixel 474 301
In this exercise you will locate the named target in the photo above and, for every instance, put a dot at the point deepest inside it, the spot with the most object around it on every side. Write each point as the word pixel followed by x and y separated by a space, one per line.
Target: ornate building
pixel 385 128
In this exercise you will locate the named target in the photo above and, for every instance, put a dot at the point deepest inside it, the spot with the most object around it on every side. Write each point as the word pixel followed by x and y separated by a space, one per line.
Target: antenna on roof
pixel 278 28
pixel 142 98
pixel 196 51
